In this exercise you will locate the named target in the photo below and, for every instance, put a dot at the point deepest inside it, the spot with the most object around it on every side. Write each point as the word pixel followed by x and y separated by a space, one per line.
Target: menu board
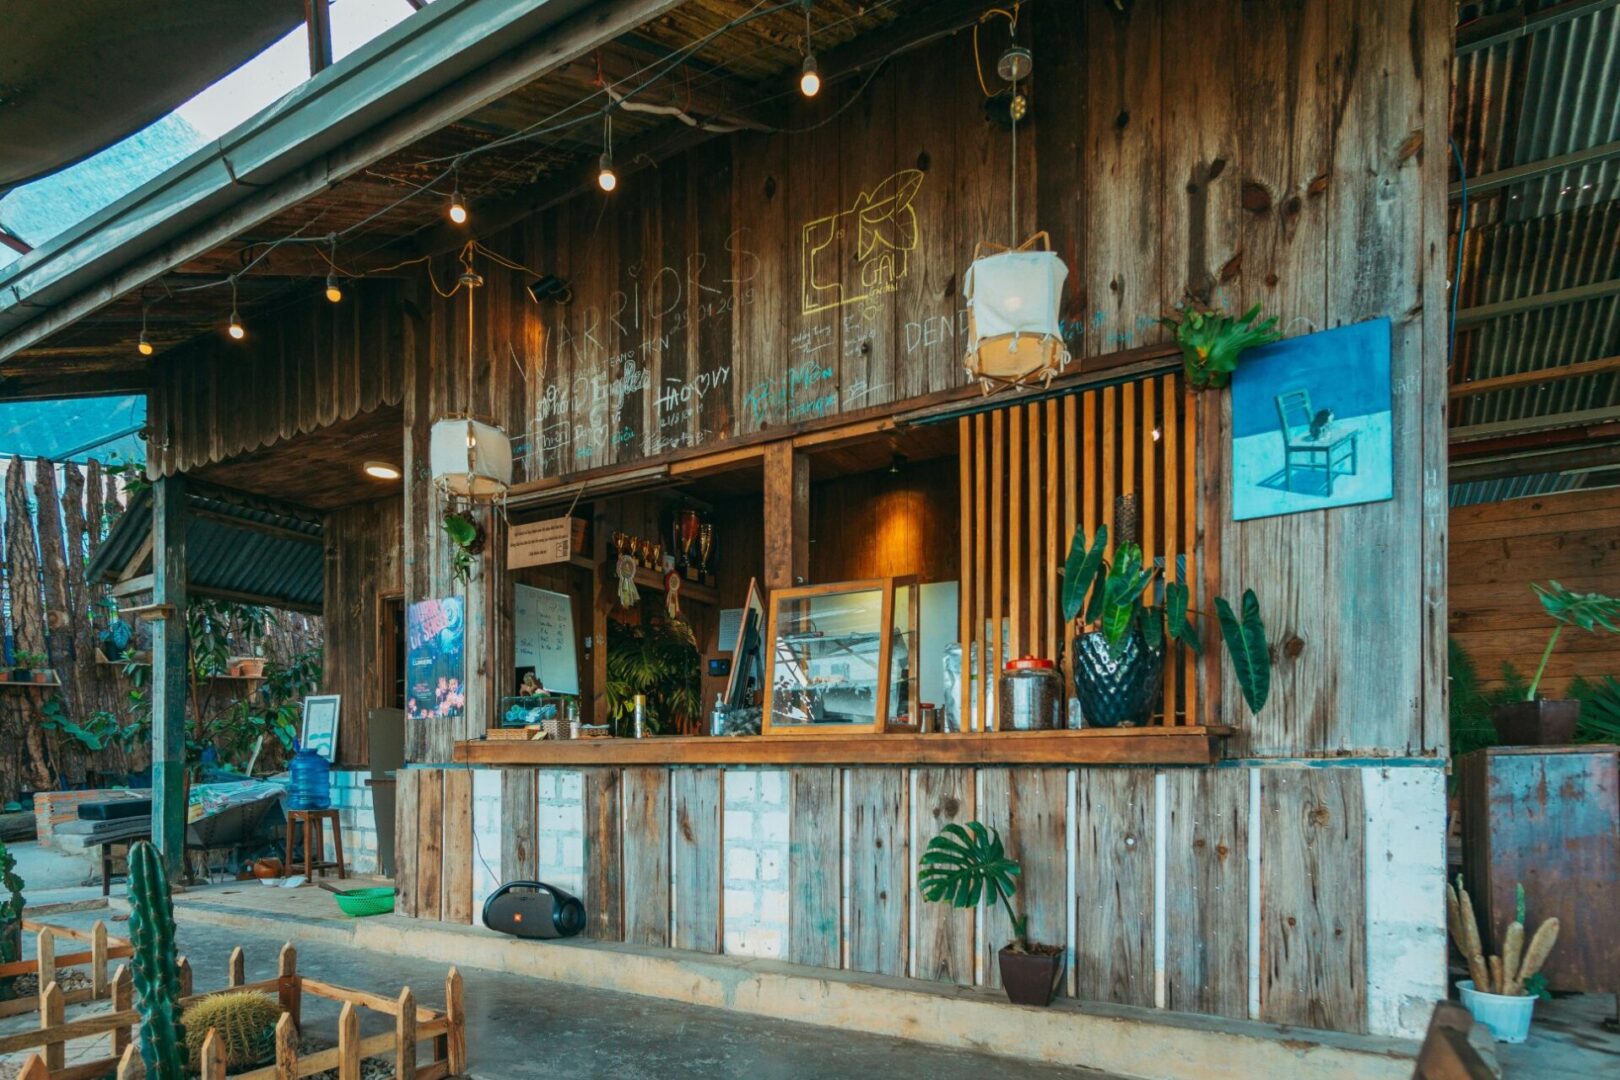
pixel 543 637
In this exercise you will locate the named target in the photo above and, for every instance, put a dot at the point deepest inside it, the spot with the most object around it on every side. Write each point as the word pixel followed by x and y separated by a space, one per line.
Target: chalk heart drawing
pixel 885 228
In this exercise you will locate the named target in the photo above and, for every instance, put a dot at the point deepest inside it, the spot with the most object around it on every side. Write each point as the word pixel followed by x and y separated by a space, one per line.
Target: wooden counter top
pixel 1092 746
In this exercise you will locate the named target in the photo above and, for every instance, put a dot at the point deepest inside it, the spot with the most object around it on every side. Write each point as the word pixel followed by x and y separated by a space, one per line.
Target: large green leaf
pixel 1080 570
pixel 1246 642
pixel 1589 611
pixel 1176 599
pixel 962 865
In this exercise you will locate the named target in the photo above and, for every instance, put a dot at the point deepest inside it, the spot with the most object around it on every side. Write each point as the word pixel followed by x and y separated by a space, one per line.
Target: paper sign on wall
pixel 538 543
pixel 543 637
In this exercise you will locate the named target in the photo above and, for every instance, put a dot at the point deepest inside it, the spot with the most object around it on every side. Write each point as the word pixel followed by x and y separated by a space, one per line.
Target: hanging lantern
pixel 1014 333
pixel 471 460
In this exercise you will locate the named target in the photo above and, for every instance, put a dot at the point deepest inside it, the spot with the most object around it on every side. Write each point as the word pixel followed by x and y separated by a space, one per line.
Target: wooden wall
pixel 364 548
pixel 877 524
pixel 1173 849
pixel 302 367
pixel 1498 549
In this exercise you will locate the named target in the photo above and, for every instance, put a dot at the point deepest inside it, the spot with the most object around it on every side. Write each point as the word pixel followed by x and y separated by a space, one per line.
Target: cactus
pixel 11 912
pixel 245 1020
pixel 157 973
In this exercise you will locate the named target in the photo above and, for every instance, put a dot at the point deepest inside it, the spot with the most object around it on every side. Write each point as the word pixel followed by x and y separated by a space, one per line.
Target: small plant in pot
pixel 1502 989
pixel 1120 644
pixel 1211 342
pixel 28 666
pixel 1538 722
pixel 960 867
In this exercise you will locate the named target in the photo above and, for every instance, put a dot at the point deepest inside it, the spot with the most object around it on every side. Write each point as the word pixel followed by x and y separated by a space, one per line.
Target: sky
pixel 40 210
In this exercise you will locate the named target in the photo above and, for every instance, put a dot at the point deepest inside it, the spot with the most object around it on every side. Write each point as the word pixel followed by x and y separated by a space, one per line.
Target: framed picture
pixel 1312 423
pixel 828 659
pixel 321 725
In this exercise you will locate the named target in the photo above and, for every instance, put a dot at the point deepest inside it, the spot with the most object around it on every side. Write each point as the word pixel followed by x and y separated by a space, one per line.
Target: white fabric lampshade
pixel 1016 292
pixel 471 459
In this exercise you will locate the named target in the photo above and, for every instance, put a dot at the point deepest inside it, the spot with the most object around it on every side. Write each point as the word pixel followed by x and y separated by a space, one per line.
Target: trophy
pixel 683 541
pixel 705 546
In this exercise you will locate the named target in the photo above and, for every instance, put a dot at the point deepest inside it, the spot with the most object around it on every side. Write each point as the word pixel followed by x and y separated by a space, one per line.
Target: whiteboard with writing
pixel 543 629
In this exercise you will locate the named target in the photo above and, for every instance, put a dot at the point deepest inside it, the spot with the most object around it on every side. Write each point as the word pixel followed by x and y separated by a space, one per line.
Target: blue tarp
pixel 76 429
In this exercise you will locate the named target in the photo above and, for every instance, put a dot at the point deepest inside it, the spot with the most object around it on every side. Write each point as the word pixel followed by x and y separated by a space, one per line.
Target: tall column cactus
pixel 157 974
pixel 11 915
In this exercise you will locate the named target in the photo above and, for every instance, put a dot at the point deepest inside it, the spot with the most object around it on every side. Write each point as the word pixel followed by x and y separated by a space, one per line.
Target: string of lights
pixel 615 96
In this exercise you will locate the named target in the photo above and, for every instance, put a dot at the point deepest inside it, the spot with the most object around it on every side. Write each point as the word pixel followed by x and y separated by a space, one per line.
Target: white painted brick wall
pixel 561 830
pixel 755 862
pixel 357 820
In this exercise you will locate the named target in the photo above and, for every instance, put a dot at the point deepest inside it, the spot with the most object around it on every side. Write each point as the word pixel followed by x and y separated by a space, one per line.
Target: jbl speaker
pixel 533 909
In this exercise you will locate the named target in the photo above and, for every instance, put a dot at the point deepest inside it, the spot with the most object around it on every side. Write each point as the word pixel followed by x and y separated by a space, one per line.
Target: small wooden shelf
pixel 1091 746
pixel 52 683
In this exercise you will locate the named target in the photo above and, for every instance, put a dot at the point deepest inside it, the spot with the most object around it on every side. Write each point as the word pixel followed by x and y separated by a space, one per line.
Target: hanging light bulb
pixel 143 346
pixel 235 326
pixel 809 77
pixel 606 178
pixel 333 292
pixel 458 209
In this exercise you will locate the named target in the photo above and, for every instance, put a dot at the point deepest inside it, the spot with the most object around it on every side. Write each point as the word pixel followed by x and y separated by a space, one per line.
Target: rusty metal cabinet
pixel 1549 817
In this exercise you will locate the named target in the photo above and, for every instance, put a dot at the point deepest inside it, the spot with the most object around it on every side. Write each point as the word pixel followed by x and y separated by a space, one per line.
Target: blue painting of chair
pixel 1312 443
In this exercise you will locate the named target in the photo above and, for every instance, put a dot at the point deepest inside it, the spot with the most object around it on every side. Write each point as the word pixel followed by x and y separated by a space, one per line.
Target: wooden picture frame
pixel 319 729
pixel 773 659
pixel 742 658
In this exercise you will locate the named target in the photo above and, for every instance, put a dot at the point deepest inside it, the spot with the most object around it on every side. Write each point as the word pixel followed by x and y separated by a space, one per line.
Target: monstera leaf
pixel 962 865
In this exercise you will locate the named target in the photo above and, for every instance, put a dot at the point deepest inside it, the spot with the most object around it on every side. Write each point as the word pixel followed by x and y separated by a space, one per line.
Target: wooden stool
pixel 315 845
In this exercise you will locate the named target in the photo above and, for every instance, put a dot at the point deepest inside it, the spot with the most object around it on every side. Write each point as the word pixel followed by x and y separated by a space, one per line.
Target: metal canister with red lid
pixel 1031 695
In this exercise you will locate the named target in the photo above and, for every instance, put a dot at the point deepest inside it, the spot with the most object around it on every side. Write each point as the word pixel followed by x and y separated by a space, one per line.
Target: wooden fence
pixel 47 963
pixel 445 1028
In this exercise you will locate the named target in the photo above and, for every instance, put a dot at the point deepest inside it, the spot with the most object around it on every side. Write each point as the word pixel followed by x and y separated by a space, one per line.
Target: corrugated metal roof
pixel 1516 487
pixel 237 548
pixel 1550 92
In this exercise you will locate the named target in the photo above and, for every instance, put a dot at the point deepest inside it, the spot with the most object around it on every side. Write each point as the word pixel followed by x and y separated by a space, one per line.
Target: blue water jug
pixel 311 782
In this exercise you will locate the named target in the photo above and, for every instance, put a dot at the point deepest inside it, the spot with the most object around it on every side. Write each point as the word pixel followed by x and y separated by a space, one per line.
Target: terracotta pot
pixel 1536 723
pixel 1031 978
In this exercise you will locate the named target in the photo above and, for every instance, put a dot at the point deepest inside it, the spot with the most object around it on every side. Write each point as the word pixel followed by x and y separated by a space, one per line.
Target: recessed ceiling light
pixel 381 470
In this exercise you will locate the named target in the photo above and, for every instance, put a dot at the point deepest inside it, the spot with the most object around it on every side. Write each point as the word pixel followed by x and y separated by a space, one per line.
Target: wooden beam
pixel 1593 290
pixel 1579 459
pixel 1522 379
pixel 1526 424
pixel 1515 23
pixel 169 670
pixel 1486 183
pixel 787 516
pixel 1159 744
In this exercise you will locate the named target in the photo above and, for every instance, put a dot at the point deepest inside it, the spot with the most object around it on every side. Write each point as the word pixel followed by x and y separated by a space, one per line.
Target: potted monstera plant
pixel 1120 637
pixel 1537 721
pixel 962 866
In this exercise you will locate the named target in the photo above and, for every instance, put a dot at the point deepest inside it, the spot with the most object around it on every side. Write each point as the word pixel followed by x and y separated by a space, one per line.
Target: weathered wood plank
pixel 1313 907
pixel 1206 892
pixel 407 841
pixel 944 933
pixel 877 803
pixel 1030 808
pixel 604 870
pixel 458 846
pixel 430 844
pixel 695 799
pixel 646 855
pixel 815 868
pixel 1114 900
pixel 520 841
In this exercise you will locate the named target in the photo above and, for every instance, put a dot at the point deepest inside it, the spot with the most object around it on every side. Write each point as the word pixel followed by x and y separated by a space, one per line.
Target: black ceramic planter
pixel 1116 686
pixel 1031 978
pixel 1536 723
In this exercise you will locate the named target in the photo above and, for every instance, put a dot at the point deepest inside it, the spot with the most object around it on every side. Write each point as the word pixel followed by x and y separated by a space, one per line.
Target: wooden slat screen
pixel 1030 473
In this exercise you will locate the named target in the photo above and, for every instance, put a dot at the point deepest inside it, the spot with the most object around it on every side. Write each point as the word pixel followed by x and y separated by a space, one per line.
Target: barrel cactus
pixel 157 974
pixel 11 914
pixel 245 1020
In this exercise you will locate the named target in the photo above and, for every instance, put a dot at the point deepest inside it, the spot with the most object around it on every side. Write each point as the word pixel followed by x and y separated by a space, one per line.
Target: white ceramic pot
pixel 1507 1018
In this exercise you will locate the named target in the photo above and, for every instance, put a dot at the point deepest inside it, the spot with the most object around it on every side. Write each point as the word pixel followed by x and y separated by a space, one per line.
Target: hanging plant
pixel 467 543
pixel 1211 342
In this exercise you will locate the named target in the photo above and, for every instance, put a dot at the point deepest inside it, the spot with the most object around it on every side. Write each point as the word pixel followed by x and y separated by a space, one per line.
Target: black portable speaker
pixel 533 909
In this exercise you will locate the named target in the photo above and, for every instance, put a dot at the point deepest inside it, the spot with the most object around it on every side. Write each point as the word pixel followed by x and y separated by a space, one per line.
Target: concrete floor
pixel 1567 1042
pixel 520 1027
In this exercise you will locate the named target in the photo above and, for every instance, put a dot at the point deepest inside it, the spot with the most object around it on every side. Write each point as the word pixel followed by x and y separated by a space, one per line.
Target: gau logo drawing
pixel 884 226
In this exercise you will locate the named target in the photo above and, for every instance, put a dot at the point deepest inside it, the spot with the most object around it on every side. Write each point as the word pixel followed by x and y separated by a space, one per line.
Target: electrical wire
pixel 1456 273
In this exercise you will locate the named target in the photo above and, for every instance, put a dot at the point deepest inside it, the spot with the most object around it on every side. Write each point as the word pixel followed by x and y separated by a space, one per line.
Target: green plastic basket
pixel 363 902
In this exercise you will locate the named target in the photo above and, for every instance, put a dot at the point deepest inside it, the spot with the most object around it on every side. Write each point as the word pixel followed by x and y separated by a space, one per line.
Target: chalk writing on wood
pixel 885 228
